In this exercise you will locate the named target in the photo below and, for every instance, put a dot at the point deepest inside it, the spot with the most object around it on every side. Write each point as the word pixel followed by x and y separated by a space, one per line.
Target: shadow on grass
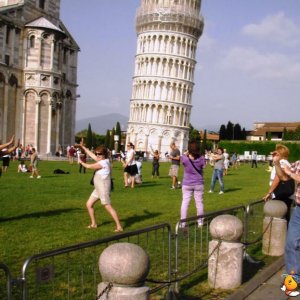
pixel 139 218
pixel 147 184
pixel 232 190
pixel 39 214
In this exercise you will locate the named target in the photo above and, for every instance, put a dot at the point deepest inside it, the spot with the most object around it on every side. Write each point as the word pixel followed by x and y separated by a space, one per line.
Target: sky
pixel 248 60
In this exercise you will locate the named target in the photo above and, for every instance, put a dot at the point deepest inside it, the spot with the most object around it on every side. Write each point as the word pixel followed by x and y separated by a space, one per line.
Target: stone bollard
pixel 275 232
pixel 126 267
pixel 225 264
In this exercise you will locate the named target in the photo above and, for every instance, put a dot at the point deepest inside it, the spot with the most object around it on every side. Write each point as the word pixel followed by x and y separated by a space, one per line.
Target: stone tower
pixel 161 101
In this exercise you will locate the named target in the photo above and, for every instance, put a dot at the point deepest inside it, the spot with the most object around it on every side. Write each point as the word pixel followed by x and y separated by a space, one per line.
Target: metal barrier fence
pixel 6 283
pixel 192 242
pixel 72 272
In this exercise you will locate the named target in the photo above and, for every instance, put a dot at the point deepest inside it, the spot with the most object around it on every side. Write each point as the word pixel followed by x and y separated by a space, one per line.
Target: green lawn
pixel 43 214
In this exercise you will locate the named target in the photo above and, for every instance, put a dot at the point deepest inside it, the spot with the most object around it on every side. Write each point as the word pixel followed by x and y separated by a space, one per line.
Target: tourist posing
pixel 193 182
pixel 218 159
pixel 102 184
pixel 174 156
pixel 34 164
pixel 292 247
pixel 155 163
pixel 130 168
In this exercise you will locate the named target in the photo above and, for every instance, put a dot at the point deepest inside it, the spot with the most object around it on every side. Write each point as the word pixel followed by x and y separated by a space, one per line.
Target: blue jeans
pixel 292 246
pixel 217 174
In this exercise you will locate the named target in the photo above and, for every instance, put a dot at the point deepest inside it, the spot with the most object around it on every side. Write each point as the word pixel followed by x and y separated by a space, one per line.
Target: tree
pixel 89 137
pixel 194 134
pixel 229 131
pixel 244 134
pixel 107 139
pixel 111 140
pixel 223 133
pixel 118 133
pixel 237 132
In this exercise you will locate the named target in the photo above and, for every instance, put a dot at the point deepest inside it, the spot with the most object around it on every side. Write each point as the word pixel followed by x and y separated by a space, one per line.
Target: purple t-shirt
pixel 190 175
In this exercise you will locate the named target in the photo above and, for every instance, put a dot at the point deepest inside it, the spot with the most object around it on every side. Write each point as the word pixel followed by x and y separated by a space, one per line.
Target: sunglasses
pixel 99 153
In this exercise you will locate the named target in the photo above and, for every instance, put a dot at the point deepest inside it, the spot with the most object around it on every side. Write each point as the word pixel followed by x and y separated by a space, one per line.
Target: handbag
pixel 284 189
pixel 92 179
pixel 112 186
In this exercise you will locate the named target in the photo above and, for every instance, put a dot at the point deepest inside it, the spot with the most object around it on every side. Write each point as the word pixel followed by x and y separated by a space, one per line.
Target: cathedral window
pixel 32 42
pixel 65 56
pixel 7 35
pixel 42 4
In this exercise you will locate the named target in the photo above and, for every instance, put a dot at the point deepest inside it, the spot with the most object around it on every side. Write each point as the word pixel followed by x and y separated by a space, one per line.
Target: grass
pixel 38 215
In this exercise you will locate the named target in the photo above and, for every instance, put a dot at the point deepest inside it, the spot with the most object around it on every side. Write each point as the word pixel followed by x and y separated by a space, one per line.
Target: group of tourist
pixel 282 182
pixel 9 149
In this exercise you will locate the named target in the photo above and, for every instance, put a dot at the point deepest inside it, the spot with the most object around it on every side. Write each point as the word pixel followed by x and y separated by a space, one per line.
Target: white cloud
pixel 277 29
pixel 259 65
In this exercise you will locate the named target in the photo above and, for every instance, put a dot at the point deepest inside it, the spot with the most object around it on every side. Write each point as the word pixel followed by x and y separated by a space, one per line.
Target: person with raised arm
pixel 102 184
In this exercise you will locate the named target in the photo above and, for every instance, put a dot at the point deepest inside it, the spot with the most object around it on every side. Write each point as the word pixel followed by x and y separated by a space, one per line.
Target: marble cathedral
pixel 163 81
pixel 38 75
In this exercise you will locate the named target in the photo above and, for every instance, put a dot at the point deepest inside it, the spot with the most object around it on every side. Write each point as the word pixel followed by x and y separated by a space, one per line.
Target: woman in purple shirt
pixel 193 181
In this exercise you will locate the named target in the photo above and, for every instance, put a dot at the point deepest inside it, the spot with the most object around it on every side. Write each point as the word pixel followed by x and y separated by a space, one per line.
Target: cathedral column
pixel 58 112
pixel 5 112
pixel 52 53
pixel 49 129
pixel 23 120
pixel 36 121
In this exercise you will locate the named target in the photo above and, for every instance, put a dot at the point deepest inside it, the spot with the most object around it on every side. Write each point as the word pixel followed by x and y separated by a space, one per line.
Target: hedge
pixel 262 148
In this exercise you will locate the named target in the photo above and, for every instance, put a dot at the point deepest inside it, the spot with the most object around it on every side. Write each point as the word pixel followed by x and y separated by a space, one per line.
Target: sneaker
pixel 38 177
pixel 31 177
pixel 221 193
pixel 173 188
pixel 210 191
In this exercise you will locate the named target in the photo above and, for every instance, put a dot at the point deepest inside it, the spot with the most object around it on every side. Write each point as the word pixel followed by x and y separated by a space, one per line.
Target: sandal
pixel 92 226
pixel 118 230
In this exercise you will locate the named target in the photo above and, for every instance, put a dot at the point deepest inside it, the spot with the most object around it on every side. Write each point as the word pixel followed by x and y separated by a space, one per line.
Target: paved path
pixel 264 286
pixel 270 289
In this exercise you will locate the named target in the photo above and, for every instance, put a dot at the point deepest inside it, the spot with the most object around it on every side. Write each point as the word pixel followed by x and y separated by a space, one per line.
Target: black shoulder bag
pixel 198 171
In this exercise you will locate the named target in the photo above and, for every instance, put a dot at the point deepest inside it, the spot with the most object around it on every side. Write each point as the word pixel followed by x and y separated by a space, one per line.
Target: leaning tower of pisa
pixel 163 81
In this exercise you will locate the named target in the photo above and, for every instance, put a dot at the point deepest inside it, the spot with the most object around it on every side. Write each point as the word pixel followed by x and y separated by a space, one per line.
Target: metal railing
pixel 7 283
pixel 72 272
pixel 192 242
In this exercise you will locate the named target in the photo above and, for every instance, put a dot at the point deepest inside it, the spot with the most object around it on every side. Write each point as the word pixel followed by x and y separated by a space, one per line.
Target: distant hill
pixel 102 123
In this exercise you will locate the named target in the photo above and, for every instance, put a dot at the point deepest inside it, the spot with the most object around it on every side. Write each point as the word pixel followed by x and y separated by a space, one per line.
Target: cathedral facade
pixel 38 75
pixel 163 81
